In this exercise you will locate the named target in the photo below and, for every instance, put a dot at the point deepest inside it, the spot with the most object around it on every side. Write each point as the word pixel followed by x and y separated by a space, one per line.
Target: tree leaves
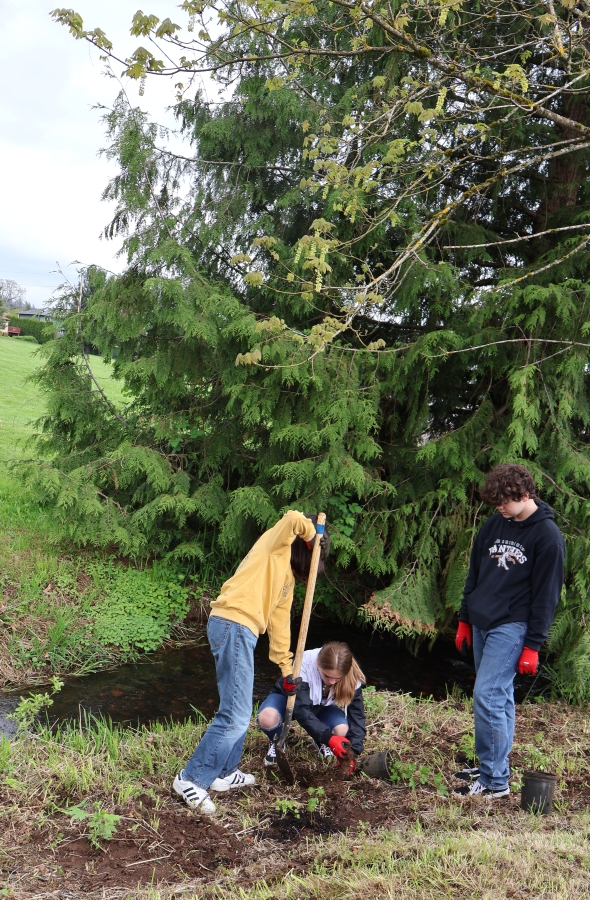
pixel 356 282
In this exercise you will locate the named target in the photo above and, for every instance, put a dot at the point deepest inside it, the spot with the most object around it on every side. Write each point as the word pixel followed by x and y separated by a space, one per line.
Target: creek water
pixel 172 684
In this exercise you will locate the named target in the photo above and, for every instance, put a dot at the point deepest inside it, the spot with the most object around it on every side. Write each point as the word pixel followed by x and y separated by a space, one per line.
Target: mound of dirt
pixel 164 845
pixel 162 842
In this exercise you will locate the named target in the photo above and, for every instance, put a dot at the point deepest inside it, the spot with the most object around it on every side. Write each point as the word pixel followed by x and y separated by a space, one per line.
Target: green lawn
pixel 20 400
pixel 29 564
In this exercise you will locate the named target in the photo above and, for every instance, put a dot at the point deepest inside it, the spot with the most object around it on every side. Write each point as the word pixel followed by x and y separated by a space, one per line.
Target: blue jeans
pixel 496 654
pixel 219 750
pixel 330 716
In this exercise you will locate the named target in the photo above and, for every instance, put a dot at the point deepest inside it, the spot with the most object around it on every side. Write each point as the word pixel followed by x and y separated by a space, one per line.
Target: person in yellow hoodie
pixel 257 598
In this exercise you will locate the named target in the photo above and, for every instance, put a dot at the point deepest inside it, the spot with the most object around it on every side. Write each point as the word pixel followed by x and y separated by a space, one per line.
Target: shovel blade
pixel 283 764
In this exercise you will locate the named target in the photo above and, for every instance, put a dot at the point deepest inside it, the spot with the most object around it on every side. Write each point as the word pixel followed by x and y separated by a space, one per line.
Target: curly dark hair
pixel 508 481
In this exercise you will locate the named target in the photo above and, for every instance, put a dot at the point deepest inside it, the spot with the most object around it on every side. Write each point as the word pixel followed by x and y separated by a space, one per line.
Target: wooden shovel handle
pixel 305 616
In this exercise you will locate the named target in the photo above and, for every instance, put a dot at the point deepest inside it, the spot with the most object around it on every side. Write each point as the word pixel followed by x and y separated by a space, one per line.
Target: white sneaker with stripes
pixel 324 752
pixel 477 789
pixel 235 779
pixel 271 757
pixel 194 796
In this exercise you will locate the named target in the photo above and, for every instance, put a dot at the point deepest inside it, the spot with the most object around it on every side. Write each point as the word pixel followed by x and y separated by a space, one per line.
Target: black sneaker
pixel 467 774
pixel 477 789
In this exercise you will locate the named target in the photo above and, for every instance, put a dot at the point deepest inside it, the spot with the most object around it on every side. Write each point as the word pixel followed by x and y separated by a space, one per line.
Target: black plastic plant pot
pixel 376 765
pixel 536 794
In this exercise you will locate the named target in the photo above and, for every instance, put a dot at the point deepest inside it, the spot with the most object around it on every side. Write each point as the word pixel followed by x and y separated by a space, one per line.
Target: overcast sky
pixel 52 177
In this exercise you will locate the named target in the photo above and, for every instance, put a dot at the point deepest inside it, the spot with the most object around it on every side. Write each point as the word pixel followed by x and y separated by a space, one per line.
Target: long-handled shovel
pixel 282 760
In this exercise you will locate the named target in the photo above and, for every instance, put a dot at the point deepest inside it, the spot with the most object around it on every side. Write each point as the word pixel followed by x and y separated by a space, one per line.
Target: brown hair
pixel 337 657
pixel 508 481
pixel 301 554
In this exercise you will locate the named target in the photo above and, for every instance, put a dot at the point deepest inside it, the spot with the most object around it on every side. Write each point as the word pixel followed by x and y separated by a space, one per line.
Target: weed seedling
pixel 411 774
pixel 29 707
pixel 316 800
pixel 101 824
pixel 56 840
pixel 468 746
pixel 288 806
pixel 438 782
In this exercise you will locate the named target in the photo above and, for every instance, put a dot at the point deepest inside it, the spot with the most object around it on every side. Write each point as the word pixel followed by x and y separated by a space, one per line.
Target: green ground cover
pixel 61 609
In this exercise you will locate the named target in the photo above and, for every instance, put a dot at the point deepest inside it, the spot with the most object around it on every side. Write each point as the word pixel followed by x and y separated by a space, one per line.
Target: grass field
pixel 21 402
pixel 55 600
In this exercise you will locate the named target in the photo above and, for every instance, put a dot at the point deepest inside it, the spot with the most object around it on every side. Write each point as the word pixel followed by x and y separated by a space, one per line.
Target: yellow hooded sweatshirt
pixel 260 593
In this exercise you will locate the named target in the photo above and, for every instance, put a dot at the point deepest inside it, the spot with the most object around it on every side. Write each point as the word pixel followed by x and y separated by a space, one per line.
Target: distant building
pixel 42 314
pixel 6 329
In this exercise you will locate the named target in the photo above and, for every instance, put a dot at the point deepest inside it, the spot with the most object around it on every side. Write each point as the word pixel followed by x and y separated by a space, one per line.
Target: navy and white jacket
pixel 309 696
pixel 516 574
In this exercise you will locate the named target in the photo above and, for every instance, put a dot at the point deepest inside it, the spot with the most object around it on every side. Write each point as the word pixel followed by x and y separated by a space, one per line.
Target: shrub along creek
pixel 87 810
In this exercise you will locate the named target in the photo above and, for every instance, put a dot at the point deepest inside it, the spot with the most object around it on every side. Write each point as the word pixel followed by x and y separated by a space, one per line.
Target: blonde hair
pixel 337 657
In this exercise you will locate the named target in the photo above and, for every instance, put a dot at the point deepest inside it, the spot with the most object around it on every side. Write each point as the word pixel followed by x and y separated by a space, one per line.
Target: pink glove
pixel 463 637
pixel 528 662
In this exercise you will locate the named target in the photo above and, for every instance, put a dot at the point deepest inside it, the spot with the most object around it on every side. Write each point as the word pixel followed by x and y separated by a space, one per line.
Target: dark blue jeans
pixel 220 749
pixel 496 654
pixel 330 715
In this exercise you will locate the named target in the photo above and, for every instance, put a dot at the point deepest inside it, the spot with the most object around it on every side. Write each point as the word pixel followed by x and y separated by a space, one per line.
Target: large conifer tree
pixel 363 284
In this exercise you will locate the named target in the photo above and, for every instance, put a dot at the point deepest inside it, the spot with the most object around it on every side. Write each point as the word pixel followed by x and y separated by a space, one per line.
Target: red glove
pixel 339 746
pixel 528 662
pixel 289 684
pixel 463 638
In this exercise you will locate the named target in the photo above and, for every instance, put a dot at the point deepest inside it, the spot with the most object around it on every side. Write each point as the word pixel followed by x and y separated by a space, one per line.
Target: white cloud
pixel 52 177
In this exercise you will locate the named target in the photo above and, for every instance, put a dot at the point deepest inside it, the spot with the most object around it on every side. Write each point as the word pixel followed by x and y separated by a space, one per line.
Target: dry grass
pixel 400 842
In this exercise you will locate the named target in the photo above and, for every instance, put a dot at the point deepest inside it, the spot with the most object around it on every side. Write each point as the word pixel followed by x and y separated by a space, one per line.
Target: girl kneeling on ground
pixel 328 704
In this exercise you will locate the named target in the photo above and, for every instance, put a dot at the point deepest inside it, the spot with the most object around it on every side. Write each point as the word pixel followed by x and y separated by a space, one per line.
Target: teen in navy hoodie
pixel 512 589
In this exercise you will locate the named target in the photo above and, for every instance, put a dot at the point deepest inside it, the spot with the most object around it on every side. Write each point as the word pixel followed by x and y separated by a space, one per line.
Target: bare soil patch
pixel 166 846
pixel 165 842
pixel 270 832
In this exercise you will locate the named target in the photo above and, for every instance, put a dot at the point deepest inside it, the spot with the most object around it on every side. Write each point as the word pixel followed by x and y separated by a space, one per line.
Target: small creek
pixel 171 684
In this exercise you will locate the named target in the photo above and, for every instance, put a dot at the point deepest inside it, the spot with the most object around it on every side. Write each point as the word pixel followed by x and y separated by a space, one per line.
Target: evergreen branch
pixel 524 237
pixel 100 390
pixel 108 499
pixel 225 163
pixel 550 265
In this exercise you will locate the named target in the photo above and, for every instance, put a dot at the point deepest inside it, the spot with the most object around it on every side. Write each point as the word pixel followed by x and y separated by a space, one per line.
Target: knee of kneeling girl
pixel 268 718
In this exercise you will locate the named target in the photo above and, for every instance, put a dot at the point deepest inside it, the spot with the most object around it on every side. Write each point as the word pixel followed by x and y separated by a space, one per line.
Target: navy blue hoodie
pixel 515 574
